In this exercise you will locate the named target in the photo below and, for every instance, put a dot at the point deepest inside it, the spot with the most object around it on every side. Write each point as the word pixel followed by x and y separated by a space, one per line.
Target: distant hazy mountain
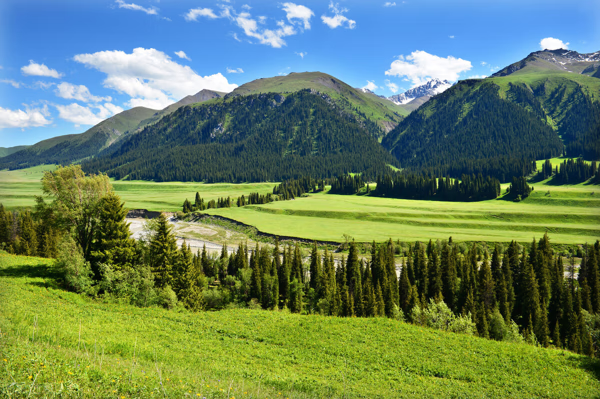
pixel 429 89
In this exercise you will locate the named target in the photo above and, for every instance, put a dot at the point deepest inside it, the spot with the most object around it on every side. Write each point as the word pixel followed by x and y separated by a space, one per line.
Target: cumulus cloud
pixel 338 18
pixel 392 86
pixel 302 54
pixel 34 69
pixel 34 117
pixel 194 13
pixel 389 4
pixel 150 77
pixel 183 55
pixel 77 92
pixel 550 43
pixel 370 86
pixel 420 66
pixel 235 70
pixel 80 115
pixel 298 12
pixel 135 7
pixel 273 38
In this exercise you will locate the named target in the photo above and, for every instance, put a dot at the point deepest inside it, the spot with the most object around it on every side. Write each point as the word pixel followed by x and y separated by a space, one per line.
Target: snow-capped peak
pixel 431 88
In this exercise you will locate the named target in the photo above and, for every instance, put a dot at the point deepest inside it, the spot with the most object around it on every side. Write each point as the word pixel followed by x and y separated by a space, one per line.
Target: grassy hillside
pixel 58 343
pixel 384 112
pixel 4 151
pixel 73 147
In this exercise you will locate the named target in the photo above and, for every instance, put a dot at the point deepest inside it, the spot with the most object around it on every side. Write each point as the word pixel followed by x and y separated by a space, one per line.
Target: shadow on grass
pixel 588 364
pixel 27 271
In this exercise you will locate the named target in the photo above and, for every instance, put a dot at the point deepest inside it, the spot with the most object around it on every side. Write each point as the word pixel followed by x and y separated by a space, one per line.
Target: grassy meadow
pixel 569 213
pixel 56 343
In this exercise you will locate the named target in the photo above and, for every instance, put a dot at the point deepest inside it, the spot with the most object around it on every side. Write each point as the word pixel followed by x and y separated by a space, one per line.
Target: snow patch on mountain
pixel 431 88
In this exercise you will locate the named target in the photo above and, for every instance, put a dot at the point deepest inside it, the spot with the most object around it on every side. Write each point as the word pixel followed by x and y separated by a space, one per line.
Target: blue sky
pixel 66 65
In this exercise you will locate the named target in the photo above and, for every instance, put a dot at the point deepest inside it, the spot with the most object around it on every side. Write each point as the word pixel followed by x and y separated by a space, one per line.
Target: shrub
pixel 439 316
pixel 72 267
pixel 167 297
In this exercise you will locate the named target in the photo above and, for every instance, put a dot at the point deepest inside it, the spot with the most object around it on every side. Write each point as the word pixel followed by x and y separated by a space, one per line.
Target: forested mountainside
pixel 262 137
pixel 507 120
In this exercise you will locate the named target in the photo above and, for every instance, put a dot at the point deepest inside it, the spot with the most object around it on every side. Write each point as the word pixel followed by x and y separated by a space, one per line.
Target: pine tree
pixel 256 278
pixel 379 303
pixel 448 266
pixel 405 289
pixel 315 268
pixel 487 293
pixel 481 321
pixel 542 331
pixel 4 226
pixel 593 279
pixel 163 252
pixel 297 272
pixel 435 275
pixel 531 300
pixel 112 245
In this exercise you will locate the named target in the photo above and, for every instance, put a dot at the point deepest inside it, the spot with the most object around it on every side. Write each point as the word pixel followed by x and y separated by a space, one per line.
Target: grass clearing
pixel 59 343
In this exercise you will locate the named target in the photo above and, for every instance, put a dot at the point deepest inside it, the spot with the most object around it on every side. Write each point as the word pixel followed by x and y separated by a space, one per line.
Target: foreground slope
pixel 54 341
pixel 533 113
pixel 262 137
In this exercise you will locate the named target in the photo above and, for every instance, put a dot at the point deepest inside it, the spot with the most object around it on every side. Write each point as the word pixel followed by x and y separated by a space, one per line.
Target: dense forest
pixel 265 137
pixel 505 293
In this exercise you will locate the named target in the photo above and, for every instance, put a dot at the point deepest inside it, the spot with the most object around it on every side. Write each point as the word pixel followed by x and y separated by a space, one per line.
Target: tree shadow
pixel 588 364
pixel 27 271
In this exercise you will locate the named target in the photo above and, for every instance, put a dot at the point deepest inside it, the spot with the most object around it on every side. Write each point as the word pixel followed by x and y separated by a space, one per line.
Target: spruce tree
pixel 405 289
pixel 112 245
pixel 448 266
pixel 593 279
pixel 315 268
pixel 163 252
pixel 487 292
pixel 435 275
pixel 531 299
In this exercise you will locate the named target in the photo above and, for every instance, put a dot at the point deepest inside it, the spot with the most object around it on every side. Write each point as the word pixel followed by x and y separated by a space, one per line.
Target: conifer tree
pixel 256 278
pixel 435 275
pixel 4 226
pixel 296 296
pixel 379 302
pixel 481 321
pixel 163 252
pixel 531 300
pixel 448 266
pixel 297 271
pixel 284 277
pixel 315 268
pixel 405 289
pixel 112 245
pixel 543 332
pixel 487 293
pixel 593 279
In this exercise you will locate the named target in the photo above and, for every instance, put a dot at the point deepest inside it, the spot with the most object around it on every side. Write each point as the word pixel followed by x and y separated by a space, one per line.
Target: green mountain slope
pixel 364 105
pixel 261 137
pixel 73 147
pixel 4 151
pixel 529 113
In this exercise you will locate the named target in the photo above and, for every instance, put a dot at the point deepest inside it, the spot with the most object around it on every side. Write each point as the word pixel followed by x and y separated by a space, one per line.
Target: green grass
pixel 18 188
pixel 56 343
pixel 570 215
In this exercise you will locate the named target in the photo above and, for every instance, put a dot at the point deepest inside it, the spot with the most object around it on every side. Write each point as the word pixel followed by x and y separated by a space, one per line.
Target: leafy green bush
pixel 439 316
pixel 72 267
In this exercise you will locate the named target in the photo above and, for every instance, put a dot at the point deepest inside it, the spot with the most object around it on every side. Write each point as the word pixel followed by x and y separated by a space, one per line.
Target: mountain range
pixel 313 123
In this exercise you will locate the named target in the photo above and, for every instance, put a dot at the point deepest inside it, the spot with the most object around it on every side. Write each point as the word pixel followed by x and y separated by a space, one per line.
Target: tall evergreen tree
pixel 163 252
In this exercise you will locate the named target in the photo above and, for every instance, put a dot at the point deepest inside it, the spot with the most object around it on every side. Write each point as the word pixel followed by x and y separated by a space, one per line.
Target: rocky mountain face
pixel 431 88
pixel 556 60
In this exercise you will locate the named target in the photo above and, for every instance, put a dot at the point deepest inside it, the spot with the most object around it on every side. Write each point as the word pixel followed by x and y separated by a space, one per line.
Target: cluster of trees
pixel 293 188
pixel 501 167
pixel 519 189
pixel 576 171
pixel 28 233
pixel 417 186
pixel 265 137
pixel 347 184
pixel 200 205
pixel 472 124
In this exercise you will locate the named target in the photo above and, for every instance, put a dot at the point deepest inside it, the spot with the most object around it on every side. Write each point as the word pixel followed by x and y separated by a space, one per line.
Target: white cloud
pixel 193 14
pixel 11 82
pixel 477 77
pixel 392 86
pixel 135 7
pixel 77 92
pixel 235 70
pixel 150 77
pixel 295 11
pixel 551 43
pixel 302 54
pixel 34 69
pixel 35 117
pixel 80 115
pixel 182 54
pixel 273 38
pixel 451 37
pixel 338 19
pixel 370 86
pixel 483 63
pixel 389 4
pixel 419 67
